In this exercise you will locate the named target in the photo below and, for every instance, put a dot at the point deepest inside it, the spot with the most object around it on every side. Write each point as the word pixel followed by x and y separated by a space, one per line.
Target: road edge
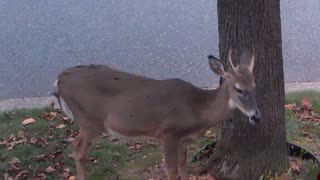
pixel 51 101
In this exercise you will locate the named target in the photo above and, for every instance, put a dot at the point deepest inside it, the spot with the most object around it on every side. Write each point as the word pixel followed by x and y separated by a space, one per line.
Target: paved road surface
pixel 161 39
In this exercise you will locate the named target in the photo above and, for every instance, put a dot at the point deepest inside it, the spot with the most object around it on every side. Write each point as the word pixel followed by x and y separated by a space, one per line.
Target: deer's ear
pixel 216 66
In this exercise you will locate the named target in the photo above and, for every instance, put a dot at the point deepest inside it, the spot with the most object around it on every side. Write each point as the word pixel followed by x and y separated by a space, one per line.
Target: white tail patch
pixel 66 109
pixel 63 103
pixel 55 85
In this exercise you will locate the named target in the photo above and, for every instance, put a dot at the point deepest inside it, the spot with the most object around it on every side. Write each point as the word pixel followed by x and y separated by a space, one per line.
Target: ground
pixel 35 144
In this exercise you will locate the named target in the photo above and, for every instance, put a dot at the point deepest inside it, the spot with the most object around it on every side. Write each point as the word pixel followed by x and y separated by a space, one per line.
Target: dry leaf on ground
pixel 21 175
pixel 50 170
pixel 203 177
pixel 306 103
pixel 209 134
pixel 33 140
pixel 61 126
pixel 294 168
pixel 71 178
pixel 28 121
pixel 135 147
pixel 292 106
pixel 13 141
pixel 15 160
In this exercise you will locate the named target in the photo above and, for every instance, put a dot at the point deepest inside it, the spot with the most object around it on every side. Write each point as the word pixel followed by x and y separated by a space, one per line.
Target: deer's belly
pixel 131 136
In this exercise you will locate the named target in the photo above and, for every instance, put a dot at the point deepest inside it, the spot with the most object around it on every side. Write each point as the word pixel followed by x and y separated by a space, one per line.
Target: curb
pixel 51 101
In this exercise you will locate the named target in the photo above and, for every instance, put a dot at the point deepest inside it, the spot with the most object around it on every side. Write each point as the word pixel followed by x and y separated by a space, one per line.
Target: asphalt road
pixel 160 39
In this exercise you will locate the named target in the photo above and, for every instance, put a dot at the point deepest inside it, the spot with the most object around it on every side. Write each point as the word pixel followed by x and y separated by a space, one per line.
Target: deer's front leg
pixel 182 158
pixel 170 145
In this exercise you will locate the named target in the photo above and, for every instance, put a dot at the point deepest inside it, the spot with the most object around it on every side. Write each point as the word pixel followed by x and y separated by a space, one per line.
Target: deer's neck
pixel 216 109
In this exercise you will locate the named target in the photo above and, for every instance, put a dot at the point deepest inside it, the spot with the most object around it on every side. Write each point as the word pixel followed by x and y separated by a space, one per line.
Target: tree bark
pixel 251 151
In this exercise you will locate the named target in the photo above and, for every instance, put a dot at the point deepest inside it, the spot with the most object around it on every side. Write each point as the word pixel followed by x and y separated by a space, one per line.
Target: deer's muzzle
pixel 255 118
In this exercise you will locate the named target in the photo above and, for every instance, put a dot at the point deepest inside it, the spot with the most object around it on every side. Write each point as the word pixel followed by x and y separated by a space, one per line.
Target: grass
pixel 110 157
pixel 116 160
pixel 296 97
pixel 107 159
pixel 296 129
pixel 304 133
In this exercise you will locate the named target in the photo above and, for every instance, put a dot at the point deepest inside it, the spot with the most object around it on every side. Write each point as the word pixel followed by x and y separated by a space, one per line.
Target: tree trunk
pixel 251 151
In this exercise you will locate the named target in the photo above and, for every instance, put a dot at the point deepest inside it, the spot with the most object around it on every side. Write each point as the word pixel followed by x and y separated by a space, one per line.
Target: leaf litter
pixel 57 168
pixel 305 111
pixel 17 169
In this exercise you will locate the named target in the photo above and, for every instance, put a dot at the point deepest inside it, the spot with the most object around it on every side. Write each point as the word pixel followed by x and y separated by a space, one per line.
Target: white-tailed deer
pixel 172 111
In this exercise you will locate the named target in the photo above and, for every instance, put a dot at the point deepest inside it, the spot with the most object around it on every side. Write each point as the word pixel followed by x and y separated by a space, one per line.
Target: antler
pixel 251 66
pixel 230 61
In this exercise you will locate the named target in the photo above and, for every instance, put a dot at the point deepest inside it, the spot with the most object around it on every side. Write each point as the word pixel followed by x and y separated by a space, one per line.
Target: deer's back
pixel 100 85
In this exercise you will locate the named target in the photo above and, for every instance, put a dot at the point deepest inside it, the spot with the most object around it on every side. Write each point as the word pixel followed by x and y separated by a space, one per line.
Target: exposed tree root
pixel 223 166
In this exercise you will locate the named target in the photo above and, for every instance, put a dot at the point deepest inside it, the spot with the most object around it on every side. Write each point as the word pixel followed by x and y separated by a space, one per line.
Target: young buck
pixel 172 111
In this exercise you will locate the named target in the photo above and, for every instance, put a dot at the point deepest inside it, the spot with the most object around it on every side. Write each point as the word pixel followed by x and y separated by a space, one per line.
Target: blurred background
pixel 160 39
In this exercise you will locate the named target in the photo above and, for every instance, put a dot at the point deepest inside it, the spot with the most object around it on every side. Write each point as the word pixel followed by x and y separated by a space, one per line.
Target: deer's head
pixel 240 83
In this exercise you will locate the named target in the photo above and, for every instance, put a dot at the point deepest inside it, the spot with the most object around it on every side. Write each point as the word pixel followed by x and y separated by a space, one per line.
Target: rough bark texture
pixel 254 150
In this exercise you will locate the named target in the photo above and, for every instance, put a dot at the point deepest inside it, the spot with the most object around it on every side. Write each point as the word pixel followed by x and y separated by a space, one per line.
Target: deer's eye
pixel 239 91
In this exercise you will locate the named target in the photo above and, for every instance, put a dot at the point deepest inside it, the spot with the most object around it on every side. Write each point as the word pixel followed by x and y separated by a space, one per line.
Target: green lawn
pixel 42 148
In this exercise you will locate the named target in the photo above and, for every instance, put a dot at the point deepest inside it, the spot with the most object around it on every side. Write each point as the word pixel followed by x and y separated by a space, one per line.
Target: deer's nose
pixel 256 117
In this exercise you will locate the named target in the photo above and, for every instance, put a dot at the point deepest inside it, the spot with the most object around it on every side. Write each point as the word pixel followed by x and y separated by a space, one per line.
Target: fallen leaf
pixel 21 175
pixel 94 161
pixel 33 140
pixel 15 160
pixel 305 133
pixel 65 118
pixel 28 121
pixel 48 115
pixel 20 134
pixel 71 178
pixel 40 157
pixel 306 103
pixel 309 139
pixel 13 167
pixel 294 168
pixel 13 141
pixel 61 126
pixel 292 106
pixel 50 170
pixel 53 114
pixel 66 172
pixel 43 142
pixel 7 176
pixel 135 147
pixel 69 140
pixel 209 134
pixel 203 177
pixel 104 135
pixel 57 153
pixel 3 142
pixel 41 176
